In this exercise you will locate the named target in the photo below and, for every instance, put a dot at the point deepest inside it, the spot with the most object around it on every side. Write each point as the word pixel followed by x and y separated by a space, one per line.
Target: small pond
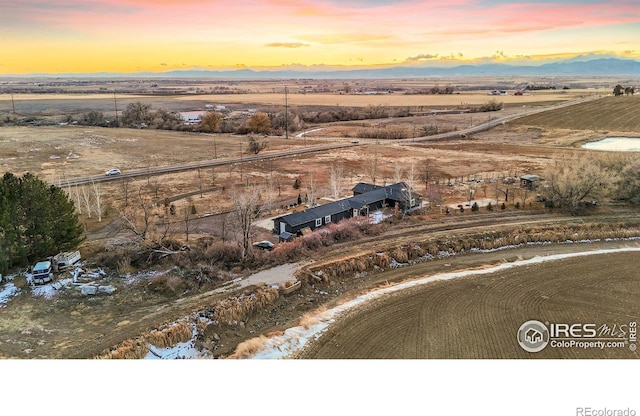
pixel 616 144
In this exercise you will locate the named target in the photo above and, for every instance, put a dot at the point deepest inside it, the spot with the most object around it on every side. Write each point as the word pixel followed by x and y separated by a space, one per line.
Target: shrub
pixel 475 207
pixel 489 207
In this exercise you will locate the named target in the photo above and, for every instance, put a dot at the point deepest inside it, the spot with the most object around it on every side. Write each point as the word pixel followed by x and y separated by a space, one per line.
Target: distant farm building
pixel 530 182
pixel 192 117
pixel 367 198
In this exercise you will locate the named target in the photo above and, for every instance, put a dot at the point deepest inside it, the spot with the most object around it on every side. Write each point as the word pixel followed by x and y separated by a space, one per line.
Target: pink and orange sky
pixel 61 36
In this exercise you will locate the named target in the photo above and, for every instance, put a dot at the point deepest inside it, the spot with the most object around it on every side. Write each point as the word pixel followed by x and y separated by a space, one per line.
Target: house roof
pixel 531 178
pixel 311 214
pixel 370 197
pixel 363 187
pixel 395 192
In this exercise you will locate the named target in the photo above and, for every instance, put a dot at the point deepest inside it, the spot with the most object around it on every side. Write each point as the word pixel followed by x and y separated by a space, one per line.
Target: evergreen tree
pixel 36 220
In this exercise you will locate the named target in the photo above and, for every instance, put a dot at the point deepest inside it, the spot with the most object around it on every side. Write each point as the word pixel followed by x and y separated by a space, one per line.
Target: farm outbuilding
pixel 367 198
pixel 530 182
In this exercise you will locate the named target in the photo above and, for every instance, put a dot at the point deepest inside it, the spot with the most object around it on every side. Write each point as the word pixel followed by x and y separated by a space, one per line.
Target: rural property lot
pixel 70 325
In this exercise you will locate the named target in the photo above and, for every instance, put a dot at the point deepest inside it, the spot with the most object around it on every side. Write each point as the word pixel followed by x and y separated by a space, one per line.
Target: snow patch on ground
pixel 294 339
pixel 377 217
pixel 304 133
pixel 8 291
pixel 183 350
pixel 46 291
pixel 180 351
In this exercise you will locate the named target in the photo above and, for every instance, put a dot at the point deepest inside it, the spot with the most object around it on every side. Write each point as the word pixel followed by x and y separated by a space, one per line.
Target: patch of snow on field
pixel 377 217
pixel 8 291
pixel 182 350
pixel 304 133
pixel 46 291
pixel 294 339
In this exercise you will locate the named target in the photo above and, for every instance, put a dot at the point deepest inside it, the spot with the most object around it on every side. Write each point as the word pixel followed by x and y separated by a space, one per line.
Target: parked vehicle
pixel 43 272
pixel 265 245
pixel 65 260
pixel 112 172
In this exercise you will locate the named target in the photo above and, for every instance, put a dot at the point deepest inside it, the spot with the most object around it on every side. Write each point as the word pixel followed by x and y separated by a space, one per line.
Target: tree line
pixel 619 90
pixel 37 220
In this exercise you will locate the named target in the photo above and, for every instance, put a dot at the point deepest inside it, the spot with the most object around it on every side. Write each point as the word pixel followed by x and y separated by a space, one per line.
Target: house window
pixel 327 219
pixel 319 222
pixel 412 202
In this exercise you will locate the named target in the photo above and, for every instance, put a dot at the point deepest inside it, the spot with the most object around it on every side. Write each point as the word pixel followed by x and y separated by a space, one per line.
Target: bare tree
pixel 570 182
pixel 224 228
pixel 125 191
pixel 97 199
pixel 372 167
pixel 523 193
pixel 335 179
pixel 78 200
pixel 311 190
pixel 255 146
pixel 269 193
pixel 86 198
pixel 138 218
pixel 214 176
pixel 187 218
pixel 246 208
pixel 434 195
pixel 426 173
pixel 397 172
pixel 410 181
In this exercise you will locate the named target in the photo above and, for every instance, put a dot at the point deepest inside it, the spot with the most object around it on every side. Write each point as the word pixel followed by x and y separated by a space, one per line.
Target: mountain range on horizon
pixel 569 67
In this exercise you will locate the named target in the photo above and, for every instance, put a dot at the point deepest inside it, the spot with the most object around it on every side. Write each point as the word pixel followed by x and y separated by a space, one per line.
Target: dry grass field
pixel 478 317
pixel 62 152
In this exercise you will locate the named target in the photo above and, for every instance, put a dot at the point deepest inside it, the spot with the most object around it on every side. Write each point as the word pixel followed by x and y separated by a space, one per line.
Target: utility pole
pixel 286 114
pixel 13 105
pixel 115 104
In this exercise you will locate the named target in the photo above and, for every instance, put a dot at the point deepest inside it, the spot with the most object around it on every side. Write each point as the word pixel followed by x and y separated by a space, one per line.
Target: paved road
pixel 311 149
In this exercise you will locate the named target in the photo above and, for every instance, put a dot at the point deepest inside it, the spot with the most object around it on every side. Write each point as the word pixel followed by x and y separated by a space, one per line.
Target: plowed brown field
pixel 478 317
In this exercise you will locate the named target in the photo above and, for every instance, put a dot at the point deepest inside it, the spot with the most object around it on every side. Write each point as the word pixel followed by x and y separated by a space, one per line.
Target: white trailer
pixel 42 272
pixel 65 260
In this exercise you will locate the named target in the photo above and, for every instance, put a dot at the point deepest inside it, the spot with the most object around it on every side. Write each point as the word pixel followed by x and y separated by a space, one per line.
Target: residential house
pixel 367 198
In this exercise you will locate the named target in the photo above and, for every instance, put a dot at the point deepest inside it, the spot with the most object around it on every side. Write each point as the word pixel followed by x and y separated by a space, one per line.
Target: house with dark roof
pixel 367 198
pixel 363 188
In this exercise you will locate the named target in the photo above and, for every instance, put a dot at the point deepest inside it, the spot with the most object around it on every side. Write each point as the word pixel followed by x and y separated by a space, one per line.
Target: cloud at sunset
pixel 123 35
pixel 287 45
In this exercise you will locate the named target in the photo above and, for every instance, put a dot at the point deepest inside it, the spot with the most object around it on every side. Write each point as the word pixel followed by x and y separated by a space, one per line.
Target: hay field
pixel 478 317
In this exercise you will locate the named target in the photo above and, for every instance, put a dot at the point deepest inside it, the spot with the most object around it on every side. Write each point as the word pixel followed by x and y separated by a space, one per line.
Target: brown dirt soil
pixel 478 317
